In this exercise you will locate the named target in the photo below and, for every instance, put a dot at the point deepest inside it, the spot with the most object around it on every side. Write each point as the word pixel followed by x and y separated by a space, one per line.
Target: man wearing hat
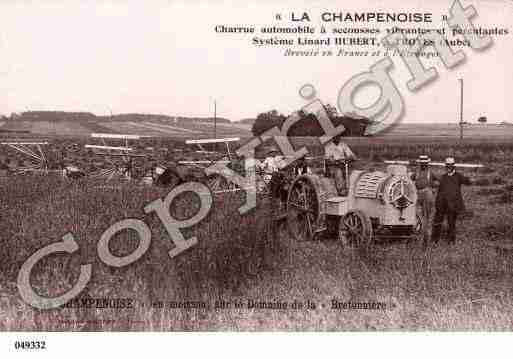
pixel 272 162
pixel 271 167
pixel 335 154
pixel 449 201
pixel 424 182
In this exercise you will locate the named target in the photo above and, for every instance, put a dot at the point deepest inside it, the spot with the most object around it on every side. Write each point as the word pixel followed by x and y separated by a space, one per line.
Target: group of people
pixel 277 174
pixel 337 155
pixel 448 203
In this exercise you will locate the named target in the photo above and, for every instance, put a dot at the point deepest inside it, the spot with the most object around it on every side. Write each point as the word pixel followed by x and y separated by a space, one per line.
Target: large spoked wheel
pixel 303 210
pixel 358 228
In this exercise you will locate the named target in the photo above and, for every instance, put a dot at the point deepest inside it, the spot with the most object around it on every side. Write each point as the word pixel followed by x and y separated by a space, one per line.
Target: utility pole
pixel 461 109
pixel 215 118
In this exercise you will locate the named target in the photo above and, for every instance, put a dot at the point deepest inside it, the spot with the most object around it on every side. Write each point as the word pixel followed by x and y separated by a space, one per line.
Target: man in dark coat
pixel 449 202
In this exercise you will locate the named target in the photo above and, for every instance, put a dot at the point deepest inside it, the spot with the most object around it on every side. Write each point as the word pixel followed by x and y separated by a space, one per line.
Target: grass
pixel 461 287
pixel 221 263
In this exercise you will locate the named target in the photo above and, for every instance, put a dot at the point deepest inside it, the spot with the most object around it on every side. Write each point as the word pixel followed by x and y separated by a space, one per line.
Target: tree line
pixel 308 124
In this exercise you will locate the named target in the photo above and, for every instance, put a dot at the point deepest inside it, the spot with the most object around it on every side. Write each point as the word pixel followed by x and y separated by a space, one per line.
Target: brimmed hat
pixel 424 159
pixel 449 161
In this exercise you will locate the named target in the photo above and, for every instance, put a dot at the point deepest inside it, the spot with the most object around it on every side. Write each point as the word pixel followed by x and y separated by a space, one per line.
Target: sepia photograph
pixel 272 166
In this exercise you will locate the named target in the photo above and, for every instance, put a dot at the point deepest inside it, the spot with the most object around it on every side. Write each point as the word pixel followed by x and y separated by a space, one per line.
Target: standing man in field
pixel 449 201
pixel 273 176
pixel 425 180
pixel 336 155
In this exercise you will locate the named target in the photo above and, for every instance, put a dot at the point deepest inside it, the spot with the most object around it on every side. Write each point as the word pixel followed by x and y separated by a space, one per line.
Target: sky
pixel 165 57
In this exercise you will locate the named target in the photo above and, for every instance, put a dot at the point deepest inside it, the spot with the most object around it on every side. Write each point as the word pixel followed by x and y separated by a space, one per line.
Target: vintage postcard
pixel 256 166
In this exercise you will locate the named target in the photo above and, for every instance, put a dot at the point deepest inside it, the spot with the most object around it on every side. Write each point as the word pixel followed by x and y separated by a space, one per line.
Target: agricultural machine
pixel 29 156
pixel 378 205
pixel 201 158
pixel 119 161
pixel 119 157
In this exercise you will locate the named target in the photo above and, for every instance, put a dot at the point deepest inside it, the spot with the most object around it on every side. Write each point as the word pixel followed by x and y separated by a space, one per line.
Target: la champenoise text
pixel 327 17
pixel 302 28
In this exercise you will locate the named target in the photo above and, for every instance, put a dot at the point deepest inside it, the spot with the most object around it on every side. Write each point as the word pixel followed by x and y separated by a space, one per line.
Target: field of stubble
pixel 238 258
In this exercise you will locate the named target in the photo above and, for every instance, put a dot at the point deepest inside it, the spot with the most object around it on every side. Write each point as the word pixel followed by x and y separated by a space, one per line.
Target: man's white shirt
pixel 338 152
pixel 272 164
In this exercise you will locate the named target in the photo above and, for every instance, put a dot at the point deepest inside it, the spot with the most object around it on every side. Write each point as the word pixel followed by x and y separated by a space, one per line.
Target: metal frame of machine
pixel 113 155
pixel 33 151
pixel 378 204
pixel 226 141
pixel 216 182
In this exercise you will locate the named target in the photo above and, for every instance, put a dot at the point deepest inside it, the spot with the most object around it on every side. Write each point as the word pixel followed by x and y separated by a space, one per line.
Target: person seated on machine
pixel 337 156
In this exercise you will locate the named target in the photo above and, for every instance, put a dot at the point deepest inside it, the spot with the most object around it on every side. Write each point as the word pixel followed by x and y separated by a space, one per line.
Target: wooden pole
pixel 215 119
pixel 461 109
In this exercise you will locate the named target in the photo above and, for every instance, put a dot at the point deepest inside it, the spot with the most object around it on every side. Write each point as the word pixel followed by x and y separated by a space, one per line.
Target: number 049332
pixel 29 345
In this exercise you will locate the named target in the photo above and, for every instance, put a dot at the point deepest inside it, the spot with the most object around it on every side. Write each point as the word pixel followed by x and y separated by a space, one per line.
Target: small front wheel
pixel 358 227
pixel 419 225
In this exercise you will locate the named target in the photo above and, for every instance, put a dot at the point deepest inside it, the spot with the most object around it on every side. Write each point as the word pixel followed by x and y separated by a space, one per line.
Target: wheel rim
pixel 302 210
pixel 357 230
pixel 418 225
